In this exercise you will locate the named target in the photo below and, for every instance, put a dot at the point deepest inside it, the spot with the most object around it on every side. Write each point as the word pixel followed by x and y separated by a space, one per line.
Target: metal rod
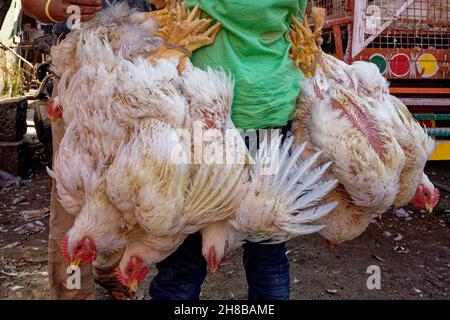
pixel 17 55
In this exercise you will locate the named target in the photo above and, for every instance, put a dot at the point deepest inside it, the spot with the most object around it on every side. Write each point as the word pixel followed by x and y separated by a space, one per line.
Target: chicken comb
pixel 141 276
pixel 121 278
pixel 64 248
pixel 54 113
pixel 435 199
pixel 93 256
pixel 212 263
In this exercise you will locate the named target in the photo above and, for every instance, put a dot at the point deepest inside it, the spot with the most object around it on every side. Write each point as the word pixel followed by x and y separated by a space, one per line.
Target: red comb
pixel 121 278
pixel 212 263
pixel 435 198
pixel 93 256
pixel 142 274
pixel 54 114
pixel 64 249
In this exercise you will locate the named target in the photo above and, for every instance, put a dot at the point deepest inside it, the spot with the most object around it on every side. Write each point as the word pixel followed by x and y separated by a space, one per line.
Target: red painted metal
pixel 419 90
pixel 438 59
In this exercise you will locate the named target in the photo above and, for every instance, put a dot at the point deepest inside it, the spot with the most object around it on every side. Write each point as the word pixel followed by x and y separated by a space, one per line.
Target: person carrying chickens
pixel 56 11
pixel 253 46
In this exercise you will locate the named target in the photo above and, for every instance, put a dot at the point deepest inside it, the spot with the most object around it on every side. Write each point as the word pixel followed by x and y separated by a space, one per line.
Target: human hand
pixel 58 9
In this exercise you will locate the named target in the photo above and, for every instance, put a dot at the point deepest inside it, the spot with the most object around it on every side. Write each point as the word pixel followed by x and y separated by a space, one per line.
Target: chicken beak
pixel 331 245
pixel 429 208
pixel 214 270
pixel 134 286
pixel 75 263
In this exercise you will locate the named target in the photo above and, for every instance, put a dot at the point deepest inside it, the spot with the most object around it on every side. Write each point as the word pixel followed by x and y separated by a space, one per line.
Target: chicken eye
pixel 130 270
pixel 79 248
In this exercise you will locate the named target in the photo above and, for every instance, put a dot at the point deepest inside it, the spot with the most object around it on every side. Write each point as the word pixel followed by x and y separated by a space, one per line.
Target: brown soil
pixel 415 267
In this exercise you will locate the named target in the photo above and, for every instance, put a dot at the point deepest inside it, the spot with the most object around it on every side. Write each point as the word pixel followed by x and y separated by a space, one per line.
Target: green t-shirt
pixel 253 47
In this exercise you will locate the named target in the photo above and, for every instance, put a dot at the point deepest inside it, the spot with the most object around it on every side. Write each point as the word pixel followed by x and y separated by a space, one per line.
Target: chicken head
pixel 134 272
pixel 80 251
pixel 427 196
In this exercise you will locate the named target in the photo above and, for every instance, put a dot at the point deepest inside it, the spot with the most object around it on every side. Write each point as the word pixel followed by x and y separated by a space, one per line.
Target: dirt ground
pixel 412 252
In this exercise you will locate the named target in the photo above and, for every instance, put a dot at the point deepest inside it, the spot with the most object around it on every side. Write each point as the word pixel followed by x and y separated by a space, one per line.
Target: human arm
pixel 58 9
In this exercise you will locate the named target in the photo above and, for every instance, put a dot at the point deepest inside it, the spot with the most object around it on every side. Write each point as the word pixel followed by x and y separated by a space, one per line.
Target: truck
pixel 409 41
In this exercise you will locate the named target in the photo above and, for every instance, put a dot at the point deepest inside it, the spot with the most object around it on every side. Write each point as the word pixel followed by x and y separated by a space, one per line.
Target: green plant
pixel 13 82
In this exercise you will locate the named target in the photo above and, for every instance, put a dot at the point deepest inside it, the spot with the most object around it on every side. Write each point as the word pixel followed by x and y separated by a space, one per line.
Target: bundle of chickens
pixel 128 169
pixel 134 108
pixel 378 149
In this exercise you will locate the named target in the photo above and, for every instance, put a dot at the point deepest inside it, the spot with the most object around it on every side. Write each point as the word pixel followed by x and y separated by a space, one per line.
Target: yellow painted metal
pixel 442 151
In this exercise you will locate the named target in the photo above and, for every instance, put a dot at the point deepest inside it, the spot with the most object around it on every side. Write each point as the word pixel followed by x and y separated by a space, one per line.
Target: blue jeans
pixel 181 275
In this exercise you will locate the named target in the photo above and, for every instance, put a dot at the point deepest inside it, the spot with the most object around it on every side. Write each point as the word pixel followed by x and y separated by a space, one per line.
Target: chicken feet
pixel 183 32
pixel 306 50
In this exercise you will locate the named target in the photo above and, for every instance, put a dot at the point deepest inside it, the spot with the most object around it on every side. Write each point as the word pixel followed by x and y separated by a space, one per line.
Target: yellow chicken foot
pixel 306 50
pixel 183 33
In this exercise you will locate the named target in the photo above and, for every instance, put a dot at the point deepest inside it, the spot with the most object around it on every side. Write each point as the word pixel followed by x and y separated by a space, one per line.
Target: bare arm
pixel 58 9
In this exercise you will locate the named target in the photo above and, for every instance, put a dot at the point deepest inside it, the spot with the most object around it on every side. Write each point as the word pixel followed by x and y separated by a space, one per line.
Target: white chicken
pixel 413 139
pixel 377 148
pixel 127 168
pixel 277 202
pixel 280 202
pixel 100 112
pixel 266 206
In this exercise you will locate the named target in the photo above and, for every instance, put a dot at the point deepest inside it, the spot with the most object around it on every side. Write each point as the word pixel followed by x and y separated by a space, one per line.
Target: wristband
pixel 47 12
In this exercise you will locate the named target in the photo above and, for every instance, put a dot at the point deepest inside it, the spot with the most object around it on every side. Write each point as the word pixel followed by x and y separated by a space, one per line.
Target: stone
pixel 13 157
pixel 13 119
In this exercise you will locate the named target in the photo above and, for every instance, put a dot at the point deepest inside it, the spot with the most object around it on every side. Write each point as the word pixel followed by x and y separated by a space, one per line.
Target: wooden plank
pixel 338 42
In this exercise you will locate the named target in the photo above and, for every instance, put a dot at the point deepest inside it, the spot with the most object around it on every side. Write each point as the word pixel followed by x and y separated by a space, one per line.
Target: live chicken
pixel 125 168
pixel 377 148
